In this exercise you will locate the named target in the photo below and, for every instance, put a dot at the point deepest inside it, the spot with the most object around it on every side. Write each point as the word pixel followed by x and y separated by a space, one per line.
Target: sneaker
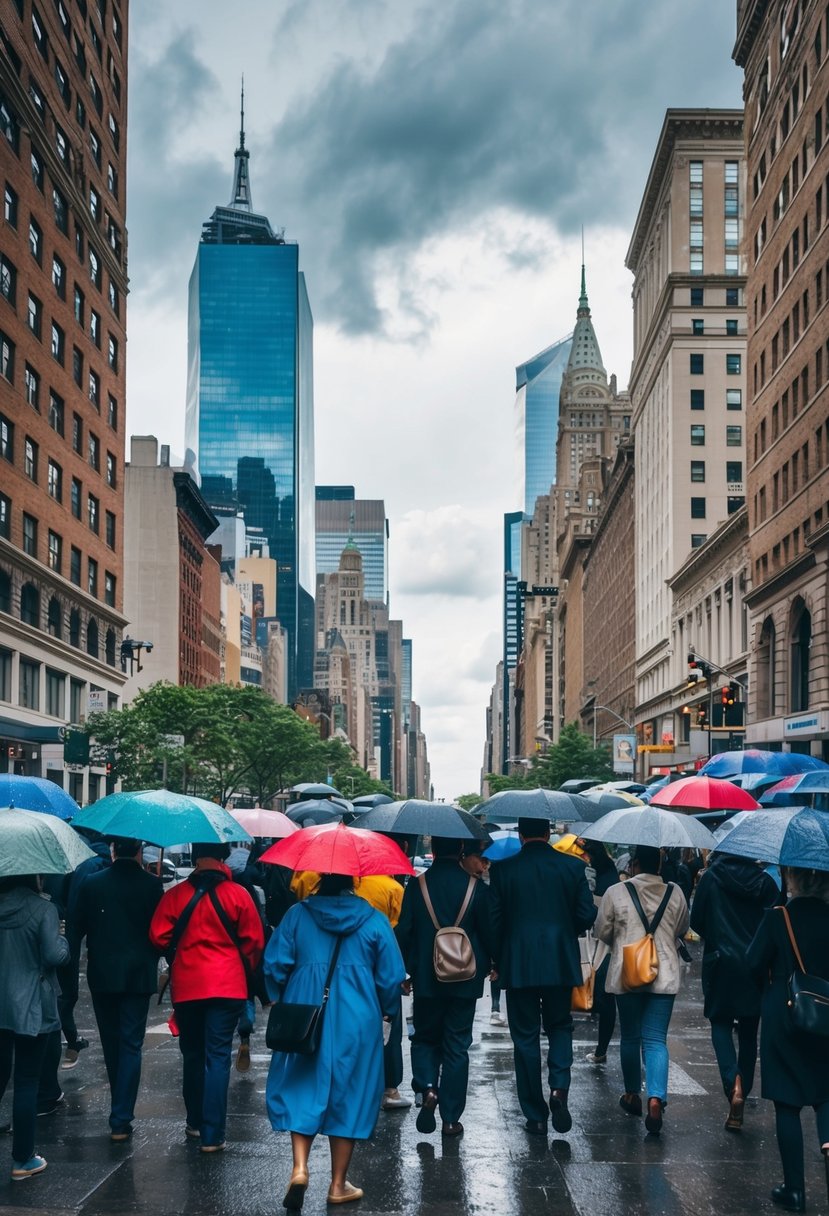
pixel 72 1054
pixel 593 1057
pixel 496 1018
pixel 49 1108
pixel 243 1056
pixel 27 1169
pixel 120 1135
pixel 394 1100
pixel 214 1148
pixel 192 1133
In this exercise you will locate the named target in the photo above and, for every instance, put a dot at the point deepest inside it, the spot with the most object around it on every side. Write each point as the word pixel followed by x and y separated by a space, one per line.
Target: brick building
pixel 782 48
pixel 63 286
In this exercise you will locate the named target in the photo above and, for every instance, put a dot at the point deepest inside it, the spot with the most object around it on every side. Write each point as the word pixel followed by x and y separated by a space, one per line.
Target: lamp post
pixel 618 717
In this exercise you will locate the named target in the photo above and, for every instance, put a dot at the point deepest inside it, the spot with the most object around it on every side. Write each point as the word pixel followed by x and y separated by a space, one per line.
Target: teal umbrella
pixel 163 818
pixel 33 843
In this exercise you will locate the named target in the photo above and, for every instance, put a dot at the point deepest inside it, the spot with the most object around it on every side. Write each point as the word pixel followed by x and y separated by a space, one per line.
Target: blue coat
pixel 338 1091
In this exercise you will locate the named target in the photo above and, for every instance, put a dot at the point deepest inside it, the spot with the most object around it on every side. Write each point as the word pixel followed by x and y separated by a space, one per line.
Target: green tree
pixel 468 802
pixel 514 781
pixel 572 757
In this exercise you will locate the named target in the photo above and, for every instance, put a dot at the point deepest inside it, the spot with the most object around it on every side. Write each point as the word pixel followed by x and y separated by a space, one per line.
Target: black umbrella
pixel 366 802
pixel 552 805
pixel 416 817
pixel 315 789
pixel 315 812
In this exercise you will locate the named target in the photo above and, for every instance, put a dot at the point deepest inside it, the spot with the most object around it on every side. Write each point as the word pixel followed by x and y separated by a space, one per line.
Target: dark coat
pixel 446 883
pixel 795 1067
pixel 114 910
pixel 728 906
pixel 540 904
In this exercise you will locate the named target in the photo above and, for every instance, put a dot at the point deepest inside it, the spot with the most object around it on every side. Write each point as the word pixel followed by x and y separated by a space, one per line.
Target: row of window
pixel 790 478
pixel 789 548
pixel 732 297
pixel 55 551
pixel 698 327
pixel 733 471
pixel 75 42
pixel 32 386
pixel 733 438
pixel 696 237
pixel 733 364
pixel 55 490
pixel 54 683
pixel 792 103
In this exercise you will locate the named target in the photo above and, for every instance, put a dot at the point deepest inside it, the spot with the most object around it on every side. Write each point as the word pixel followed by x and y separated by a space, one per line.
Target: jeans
pixel 122 1023
pixel 27 1051
pixel 49 1091
pixel 528 1009
pixel 440 1050
pixel 643 1025
pixel 790 1140
pixel 393 1051
pixel 742 1061
pixel 247 1019
pixel 206 1030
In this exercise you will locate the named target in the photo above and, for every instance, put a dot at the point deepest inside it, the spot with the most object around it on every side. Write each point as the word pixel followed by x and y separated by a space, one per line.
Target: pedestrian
pixel 336 1092
pixel 31 947
pixel 540 904
pixel 68 975
pixel 444 1011
pixel 726 912
pixel 211 931
pixel 604 1002
pixel 113 911
pixel 246 871
pixel 479 867
pixel 794 1065
pixel 644 1013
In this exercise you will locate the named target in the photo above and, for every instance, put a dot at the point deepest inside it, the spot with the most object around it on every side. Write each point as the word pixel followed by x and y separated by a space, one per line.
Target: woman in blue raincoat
pixel 337 1092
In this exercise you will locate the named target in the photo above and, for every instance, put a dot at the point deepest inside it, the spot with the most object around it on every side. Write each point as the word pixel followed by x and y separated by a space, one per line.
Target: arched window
pixel 30 605
pixel 55 617
pixel 5 592
pixel 74 628
pixel 801 644
pixel 109 647
pixel 766 670
pixel 92 638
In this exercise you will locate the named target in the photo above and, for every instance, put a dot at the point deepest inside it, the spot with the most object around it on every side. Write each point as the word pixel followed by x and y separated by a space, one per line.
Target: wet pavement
pixel 605 1166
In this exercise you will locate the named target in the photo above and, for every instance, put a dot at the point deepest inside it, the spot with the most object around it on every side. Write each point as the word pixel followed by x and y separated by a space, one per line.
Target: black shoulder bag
pixel 808 994
pixel 297 1028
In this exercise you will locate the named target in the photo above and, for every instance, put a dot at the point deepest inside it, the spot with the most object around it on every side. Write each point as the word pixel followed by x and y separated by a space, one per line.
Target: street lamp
pixel 618 717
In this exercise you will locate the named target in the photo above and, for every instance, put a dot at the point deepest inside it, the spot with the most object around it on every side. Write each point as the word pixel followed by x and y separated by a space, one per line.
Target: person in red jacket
pixel 211 932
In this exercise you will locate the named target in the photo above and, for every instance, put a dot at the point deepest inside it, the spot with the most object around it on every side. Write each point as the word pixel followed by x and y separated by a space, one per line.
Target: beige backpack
pixel 453 956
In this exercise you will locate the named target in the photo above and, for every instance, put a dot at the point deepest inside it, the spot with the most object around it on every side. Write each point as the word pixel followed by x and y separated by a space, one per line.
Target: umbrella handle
pixel 158 862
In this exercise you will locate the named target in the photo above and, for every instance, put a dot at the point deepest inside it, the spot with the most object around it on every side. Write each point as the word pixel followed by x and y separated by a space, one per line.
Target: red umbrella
pixel 332 848
pixel 258 822
pixel 705 794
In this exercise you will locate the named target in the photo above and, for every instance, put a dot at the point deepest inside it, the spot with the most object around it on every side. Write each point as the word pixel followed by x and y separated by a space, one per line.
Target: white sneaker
pixel 394 1100
pixel 592 1058
pixel 496 1018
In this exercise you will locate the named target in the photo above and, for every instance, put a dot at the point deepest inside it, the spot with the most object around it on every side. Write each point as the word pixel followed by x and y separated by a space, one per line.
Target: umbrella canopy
pixel 314 812
pixel 705 794
pixel 259 822
pixel 551 805
pixel 632 788
pixel 611 800
pixel 649 825
pixel 35 794
pixel 753 760
pixel 755 781
pixel 722 831
pixel 315 789
pixel 504 844
pixel 332 848
pixel 417 817
pixel 162 817
pixel 797 837
pixel 32 843
pixel 815 782
pixel 370 800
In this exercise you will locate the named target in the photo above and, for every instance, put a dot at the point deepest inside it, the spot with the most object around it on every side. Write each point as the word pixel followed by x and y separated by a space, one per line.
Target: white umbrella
pixel 652 826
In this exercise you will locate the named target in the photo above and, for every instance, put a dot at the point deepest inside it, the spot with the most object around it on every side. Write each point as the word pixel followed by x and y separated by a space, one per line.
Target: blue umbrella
pixel 795 837
pixel 162 817
pixel 752 760
pixel 755 781
pixel 503 846
pixel 35 794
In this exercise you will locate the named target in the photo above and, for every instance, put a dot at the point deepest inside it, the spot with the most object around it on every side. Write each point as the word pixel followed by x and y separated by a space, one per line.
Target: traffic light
pixel 702 717
pixel 697 669
pixel 728 694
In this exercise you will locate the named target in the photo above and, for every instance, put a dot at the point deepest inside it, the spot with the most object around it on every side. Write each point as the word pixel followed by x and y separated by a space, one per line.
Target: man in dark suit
pixel 113 912
pixel 540 904
pixel 443 1012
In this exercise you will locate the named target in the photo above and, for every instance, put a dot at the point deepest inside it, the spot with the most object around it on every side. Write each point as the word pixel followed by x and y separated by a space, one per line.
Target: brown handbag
pixel 640 962
pixel 581 1000
pixel 452 956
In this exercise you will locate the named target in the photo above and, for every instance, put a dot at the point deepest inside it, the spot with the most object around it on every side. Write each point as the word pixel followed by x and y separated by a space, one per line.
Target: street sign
pixel 545 590
pixel 96 701
pixel 171 740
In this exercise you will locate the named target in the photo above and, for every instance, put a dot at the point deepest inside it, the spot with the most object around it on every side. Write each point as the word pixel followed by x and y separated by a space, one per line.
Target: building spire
pixel 240 197
pixel 585 354
pixel 583 304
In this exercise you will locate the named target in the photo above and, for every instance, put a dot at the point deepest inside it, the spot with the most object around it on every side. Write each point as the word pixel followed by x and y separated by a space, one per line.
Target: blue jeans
pixel 643 1026
pixel 206 1030
pixel 122 1024
pixel 23 1054
pixel 247 1019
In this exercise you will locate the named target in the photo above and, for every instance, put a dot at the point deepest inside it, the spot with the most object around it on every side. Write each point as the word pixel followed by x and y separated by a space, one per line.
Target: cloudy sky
pixel 435 161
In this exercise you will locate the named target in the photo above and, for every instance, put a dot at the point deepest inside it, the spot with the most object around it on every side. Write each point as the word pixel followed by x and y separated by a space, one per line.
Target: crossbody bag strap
pixel 334 956
pixel 427 899
pixel 229 929
pixel 182 923
pixel 790 931
pixel 467 900
pixel 660 911
pixel 637 903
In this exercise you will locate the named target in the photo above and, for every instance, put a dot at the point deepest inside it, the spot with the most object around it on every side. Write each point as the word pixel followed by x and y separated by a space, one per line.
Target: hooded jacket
pixel 31 946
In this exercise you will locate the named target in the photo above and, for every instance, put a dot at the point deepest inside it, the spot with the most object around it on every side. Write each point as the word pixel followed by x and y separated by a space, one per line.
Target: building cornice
pixel 750 14
pixel 773 587
pixel 733 531
pixel 42 573
pixel 189 500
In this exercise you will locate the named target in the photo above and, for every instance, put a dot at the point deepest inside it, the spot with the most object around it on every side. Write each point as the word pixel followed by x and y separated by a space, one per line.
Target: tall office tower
pixel 340 519
pixel 250 397
pixel 783 50
pixel 63 285
pixel 688 376
pixel 537 388
pixel 513 624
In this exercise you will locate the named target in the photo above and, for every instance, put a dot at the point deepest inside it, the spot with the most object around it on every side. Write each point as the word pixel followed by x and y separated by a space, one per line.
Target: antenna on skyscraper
pixel 242 124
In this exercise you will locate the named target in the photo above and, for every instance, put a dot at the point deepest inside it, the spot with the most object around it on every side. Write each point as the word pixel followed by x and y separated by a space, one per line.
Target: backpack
pixel 452 956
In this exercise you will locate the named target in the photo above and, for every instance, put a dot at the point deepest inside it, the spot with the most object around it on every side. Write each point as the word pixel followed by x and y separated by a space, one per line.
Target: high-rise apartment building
pixel 783 51
pixel 63 285
pixel 340 519
pixel 250 405
pixel 537 389
pixel 688 378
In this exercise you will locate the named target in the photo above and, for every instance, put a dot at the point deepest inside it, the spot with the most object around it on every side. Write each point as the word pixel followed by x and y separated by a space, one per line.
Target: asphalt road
pixel 605 1166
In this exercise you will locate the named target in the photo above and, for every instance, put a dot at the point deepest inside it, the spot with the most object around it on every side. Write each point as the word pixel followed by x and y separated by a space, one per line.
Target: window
pixel 59 277
pixel 733 364
pixel 8 280
pixel 731 327
pixel 92 627
pixel 75 497
pixel 114 131
pixel 39 34
pixel 78 305
pixel 31 383
pixel 77 434
pixel 61 145
pixel 734 439
pixel 112 412
pixel 77 688
pixel 92 513
pixel 96 94
pixel 29 535
pixel 112 179
pixel 95 389
pixel 697 470
pixel 5 520
pixel 732 297
pixel 697 436
pixel 29 684
pixel 697 508
pixel 112 353
pixel 79 241
pixel 5 672
pixel 734 471
pixel 94 268
pixel 698 539
pixel 112 469
pixel 10 206
pixel 61 209
pixel 94 452
pixel 75 577
pixel 37 169
pixel 9 126
pixel 109 529
pixel 35 240
pixel 55 693
pixel 114 300
pixel 95 148
pixel 94 204
pixel 697 326
pixel 801 642
pixel 62 81
pixel 80 112
pixel 30 458
pixel 55 474
pixel 92 577
pixel 58 342
pixel 56 412
pixel 7 351
pixel 95 327
pixel 34 315
pixel 697 365
pixel 55 551
pixel 697 297
pixel 109 589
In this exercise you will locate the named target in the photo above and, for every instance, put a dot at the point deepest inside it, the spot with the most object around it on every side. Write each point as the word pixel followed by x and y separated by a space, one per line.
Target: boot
pixel 734 1122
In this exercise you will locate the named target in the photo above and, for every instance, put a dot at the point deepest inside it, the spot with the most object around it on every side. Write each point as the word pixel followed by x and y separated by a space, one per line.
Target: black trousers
pixel 790 1140
pixel 440 1050
pixel 528 1009
pixel 743 1060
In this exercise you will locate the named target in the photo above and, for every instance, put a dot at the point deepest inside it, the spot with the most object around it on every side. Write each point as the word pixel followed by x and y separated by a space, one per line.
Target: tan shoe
pixel 295 1194
pixel 349 1195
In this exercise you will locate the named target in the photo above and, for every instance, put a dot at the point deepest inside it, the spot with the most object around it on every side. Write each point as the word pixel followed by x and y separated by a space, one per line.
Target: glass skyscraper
pixel 537 387
pixel 363 522
pixel 249 429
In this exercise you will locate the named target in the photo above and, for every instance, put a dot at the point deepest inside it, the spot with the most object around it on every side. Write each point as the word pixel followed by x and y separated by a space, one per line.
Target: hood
pixel 16 907
pixel 339 913
pixel 740 877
